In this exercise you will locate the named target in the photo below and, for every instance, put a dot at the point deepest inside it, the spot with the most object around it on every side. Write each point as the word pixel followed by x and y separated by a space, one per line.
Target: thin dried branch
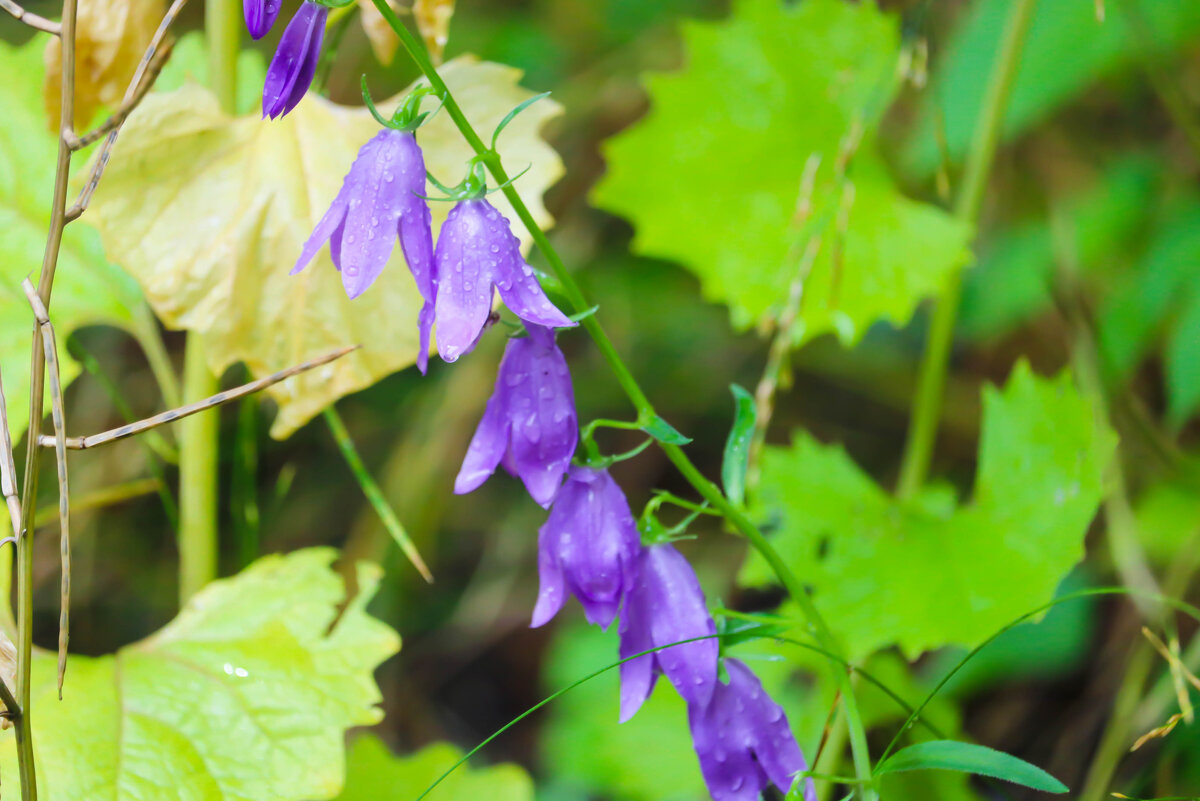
pixel 50 349
pixel 32 20
pixel 8 468
pixel 117 118
pixel 221 398
pixel 128 104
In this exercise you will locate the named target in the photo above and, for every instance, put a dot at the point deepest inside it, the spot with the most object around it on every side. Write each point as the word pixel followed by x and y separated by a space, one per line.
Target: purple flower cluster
pixel 589 545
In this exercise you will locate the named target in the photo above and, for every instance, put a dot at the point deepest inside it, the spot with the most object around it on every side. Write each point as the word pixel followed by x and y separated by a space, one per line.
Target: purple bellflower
pixel 743 740
pixel 260 16
pixel 587 547
pixel 380 199
pixel 295 61
pixel 529 422
pixel 664 606
pixel 476 253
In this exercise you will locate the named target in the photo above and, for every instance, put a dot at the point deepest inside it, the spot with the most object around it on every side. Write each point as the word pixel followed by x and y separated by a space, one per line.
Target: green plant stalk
pixel 198 434
pixel 707 489
pixel 931 383
pixel 197 476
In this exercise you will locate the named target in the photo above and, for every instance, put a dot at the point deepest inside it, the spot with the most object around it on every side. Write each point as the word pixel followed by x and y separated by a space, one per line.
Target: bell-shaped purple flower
pixel 476 253
pixel 260 16
pixel 295 61
pixel 666 605
pixel 743 740
pixel 380 199
pixel 588 547
pixel 529 422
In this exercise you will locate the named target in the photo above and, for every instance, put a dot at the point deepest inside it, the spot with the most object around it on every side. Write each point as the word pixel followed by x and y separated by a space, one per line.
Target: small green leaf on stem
pixel 737 447
pixel 663 431
pixel 517 110
pixel 970 758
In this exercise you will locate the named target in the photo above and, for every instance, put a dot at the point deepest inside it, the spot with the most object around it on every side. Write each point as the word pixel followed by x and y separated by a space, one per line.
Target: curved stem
pixel 931 383
pixel 707 489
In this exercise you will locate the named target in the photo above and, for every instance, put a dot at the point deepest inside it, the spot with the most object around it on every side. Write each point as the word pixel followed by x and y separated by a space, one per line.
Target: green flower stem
pixel 198 434
pixel 931 383
pixel 645 410
pixel 197 476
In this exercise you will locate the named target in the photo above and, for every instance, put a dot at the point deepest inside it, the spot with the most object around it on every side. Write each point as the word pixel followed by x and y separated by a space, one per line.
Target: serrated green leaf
pixel 87 289
pixel 923 573
pixel 737 445
pixel 711 177
pixel 374 773
pixel 663 431
pixel 970 758
pixel 246 675
pixel 1046 79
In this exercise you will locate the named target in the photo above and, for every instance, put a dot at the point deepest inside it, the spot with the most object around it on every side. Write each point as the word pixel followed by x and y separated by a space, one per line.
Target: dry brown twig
pixel 32 20
pixel 221 398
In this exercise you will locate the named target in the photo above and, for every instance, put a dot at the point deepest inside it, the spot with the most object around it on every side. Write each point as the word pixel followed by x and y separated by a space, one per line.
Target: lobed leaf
pixel 373 772
pixel 245 695
pixel 712 176
pixel 926 573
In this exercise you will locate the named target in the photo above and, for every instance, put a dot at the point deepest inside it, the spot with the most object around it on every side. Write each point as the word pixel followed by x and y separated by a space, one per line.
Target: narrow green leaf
pixel 663 431
pixel 970 758
pixel 374 494
pixel 737 447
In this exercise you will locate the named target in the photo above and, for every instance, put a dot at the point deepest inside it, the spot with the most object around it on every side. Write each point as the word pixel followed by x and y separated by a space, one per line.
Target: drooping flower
pixel 588 547
pixel 260 16
pixel 380 199
pixel 529 422
pixel 295 61
pixel 664 606
pixel 743 740
pixel 477 253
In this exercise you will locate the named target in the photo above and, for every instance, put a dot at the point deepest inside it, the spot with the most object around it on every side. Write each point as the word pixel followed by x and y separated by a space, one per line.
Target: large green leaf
pixel 87 289
pixel 374 773
pixel 924 573
pixel 246 695
pixel 1066 50
pixel 711 177
pixel 212 236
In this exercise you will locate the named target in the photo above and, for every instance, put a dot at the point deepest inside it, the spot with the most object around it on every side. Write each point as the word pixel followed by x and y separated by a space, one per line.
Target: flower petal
pixel 552 592
pixel 373 215
pixel 464 286
pixel 680 613
pixel 295 61
pixel 774 744
pixel 260 16
pixel 545 430
pixel 637 675
pixel 487 446
pixel 332 222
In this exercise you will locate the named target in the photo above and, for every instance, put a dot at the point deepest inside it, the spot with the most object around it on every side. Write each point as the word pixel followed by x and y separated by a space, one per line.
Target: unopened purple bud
pixel 530 419
pixel 295 61
pixel 477 254
pixel 260 16
pixel 665 606
pixel 588 548
pixel 743 740
pixel 380 200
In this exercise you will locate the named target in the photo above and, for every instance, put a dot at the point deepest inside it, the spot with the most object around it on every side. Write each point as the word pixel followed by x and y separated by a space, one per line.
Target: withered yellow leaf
pixel 381 36
pixel 433 21
pixel 209 213
pixel 110 38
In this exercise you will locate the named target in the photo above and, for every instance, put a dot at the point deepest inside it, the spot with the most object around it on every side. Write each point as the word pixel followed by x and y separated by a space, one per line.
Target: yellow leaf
pixel 209 213
pixel 110 38
pixel 381 36
pixel 433 21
